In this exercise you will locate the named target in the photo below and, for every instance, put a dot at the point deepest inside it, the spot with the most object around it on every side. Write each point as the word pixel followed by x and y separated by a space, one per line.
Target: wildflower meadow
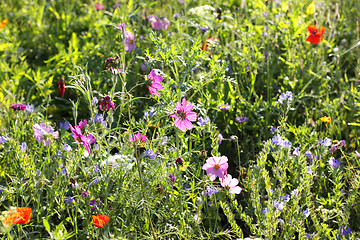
pixel 180 119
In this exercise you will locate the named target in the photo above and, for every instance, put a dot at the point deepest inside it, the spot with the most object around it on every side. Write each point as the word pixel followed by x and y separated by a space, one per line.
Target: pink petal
pixel 191 116
pixel 173 115
pixel 235 190
pixel 188 107
pixel 157 85
pixel 213 177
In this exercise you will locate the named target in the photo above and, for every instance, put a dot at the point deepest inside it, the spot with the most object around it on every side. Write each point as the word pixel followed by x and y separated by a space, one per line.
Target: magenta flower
pixel 44 133
pixel 99 6
pixel 129 41
pixel 184 116
pixel 138 137
pixel 154 83
pixel 18 106
pixel 157 23
pixel 230 184
pixel 216 167
pixel 106 103
pixel 82 138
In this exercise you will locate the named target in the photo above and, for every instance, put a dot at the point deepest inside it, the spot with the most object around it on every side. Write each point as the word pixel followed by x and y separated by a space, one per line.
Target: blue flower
pixel 69 200
pixel 306 213
pixel 98 118
pixel 204 30
pixel 172 179
pixel 64 125
pixel 309 155
pixel 96 169
pixel 286 198
pixel 38 172
pixel 334 163
pixel 241 119
pixel 29 108
pixel 150 154
pixel 66 147
pixel 279 205
pixel 309 170
pixel 326 142
pixel 285 97
pixel 94 101
pixel 265 211
pixel 220 139
pixel 3 139
pixel 23 146
pixel 296 152
pixel 203 121
pixel 345 231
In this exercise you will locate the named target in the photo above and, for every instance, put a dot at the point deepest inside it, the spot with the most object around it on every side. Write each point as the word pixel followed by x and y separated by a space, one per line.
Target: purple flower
pixel 157 23
pixel 309 155
pixel 98 118
pixel 69 200
pixel 309 171
pixel 106 104
pixel 280 220
pixel 203 121
pixel 279 205
pixel 129 41
pixel 294 192
pixel 3 139
pixel 309 236
pixel 94 101
pixel 296 152
pixel 150 154
pixel 306 213
pixel 220 137
pixel 326 142
pixel 23 146
pixel 29 108
pixel 93 203
pixel 64 170
pixel 265 211
pixel 186 186
pixel 210 191
pixel 64 125
pixel 122 26
pixel 345 231
pixel 66 147
pixel 38 172
pixel 357 153
pixel 286 198
pixel 84 194
pixel 224 107
pixel 272 129
pixel 334 163
pixel 172 179
pixel 204 30
pixel 18 107
pixel 241 119
pixel 44 134
pixel 285 97
pixel 96 169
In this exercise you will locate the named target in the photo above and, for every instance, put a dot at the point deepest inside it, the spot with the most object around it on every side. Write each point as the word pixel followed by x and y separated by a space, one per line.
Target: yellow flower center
pixel 216 166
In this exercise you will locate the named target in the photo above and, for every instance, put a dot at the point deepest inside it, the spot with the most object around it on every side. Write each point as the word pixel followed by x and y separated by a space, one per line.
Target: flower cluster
pixel 44 133
pixel 285 97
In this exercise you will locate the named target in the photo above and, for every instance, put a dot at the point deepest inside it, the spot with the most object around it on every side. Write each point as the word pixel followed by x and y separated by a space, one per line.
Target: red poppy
pixel 315 34
pixel 62 86
pixel 20 215
pixel 100 220
pixel 3 23
pixel 210 41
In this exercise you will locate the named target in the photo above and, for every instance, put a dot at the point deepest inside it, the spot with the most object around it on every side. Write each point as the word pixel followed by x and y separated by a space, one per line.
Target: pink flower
pixel 82 138
pixel 157 23
pixel 106 103
pixel 44 133
pixel 231 184
pixel 154 83
pixel 138 137
pixel 184 116
pixel 129 41
pixel 216 167
pixel 98 6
